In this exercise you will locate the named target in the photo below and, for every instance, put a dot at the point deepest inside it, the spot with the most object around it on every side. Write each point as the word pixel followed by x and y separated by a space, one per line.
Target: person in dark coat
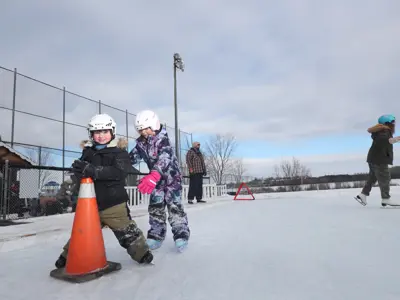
pixel 197 169
pixel 380 156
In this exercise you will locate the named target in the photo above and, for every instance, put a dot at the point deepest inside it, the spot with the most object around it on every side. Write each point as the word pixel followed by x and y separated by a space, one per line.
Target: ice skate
pixel 154 244
pixel 362 199
pixel 391 203
pixel 181 244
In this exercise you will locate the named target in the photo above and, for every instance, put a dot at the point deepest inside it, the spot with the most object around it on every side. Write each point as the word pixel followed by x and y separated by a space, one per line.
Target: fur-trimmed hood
pixel 378 127
pixel 121 143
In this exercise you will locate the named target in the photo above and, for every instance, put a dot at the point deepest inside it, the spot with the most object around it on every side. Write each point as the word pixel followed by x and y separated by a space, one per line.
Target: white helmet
pixel 102 122
pixel 147 119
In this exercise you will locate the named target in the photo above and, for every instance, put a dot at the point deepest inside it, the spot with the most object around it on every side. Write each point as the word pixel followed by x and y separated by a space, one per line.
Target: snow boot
pixel 147 258
pixel 61 262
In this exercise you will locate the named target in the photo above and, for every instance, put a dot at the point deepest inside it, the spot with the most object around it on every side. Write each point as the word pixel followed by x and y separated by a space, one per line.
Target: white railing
pixel 210 191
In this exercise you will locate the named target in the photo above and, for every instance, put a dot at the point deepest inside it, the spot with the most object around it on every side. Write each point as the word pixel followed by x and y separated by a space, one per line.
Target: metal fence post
pixel 180 149
pixel 127 127
pixel 1 192
pixel 13 108
pixel 5 189
pixel 2 213
pixel 99 106
pixel 63 133
pixel 40 163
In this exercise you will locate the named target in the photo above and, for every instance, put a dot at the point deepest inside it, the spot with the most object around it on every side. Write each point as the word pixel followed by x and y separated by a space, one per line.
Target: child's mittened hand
pixel 149 182
pixel 83 168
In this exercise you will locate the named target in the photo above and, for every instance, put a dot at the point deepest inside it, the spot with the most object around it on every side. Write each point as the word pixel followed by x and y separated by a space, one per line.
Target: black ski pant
pixel 195 186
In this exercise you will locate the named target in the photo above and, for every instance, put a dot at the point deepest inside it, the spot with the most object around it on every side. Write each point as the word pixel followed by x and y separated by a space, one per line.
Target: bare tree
pixel 238 170
pixel 218 152
pixel 42 158
pixel 292 169
pixel 277 171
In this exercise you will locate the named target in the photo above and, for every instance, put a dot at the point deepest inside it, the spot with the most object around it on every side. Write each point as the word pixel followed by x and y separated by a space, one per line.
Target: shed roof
pixel 12 155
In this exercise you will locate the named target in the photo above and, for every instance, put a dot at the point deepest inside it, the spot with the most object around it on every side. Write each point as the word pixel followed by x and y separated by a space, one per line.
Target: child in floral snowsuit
pixel 164 183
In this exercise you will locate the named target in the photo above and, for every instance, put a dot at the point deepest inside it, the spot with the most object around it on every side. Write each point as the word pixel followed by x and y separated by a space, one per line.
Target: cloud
pixel 261 69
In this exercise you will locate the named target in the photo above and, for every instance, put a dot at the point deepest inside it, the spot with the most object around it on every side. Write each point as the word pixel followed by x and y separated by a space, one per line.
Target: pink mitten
pixel 149 182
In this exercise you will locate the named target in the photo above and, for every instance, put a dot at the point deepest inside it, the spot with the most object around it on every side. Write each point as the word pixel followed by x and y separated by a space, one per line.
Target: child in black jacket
pixel 107 162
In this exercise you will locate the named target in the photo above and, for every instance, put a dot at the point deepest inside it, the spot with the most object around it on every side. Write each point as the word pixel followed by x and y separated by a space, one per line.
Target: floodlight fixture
pixel 178 62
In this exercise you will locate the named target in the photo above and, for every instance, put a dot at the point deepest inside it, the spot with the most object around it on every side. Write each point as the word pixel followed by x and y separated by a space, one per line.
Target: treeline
pixel 298 188
pixel 340 178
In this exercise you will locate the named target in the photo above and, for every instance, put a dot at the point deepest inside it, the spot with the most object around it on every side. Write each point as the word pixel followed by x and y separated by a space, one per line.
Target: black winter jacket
pixel 112 165
pixel 381 151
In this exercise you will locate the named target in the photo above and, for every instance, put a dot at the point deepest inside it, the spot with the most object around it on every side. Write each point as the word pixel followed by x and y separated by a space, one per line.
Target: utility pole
pixel 178 65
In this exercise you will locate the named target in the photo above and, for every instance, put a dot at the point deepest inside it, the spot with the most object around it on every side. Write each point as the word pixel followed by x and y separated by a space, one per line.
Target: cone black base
pixel 62 275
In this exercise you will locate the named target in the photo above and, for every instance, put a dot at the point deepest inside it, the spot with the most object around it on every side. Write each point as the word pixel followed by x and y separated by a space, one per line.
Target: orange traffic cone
pixel 86 254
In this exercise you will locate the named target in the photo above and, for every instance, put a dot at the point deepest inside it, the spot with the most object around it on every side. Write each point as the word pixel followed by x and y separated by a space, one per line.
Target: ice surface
pixel 306 245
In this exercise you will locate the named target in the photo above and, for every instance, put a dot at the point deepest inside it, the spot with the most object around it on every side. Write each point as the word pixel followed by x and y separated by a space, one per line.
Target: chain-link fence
pixel 48 122
pixel 32 191
pixel 29 192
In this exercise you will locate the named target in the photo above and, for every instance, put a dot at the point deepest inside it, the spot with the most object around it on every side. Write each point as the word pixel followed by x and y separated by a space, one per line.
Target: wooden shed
pixel 15 158
pixel 8 179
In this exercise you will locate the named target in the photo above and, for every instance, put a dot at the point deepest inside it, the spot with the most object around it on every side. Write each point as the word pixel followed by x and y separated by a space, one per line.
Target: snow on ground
pixel 303 245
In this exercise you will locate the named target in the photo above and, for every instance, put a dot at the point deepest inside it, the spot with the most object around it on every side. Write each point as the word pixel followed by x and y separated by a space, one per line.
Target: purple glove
pixel 149 182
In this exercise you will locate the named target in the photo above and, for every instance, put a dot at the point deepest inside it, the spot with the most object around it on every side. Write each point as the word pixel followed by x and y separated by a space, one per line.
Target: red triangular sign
pixel 241 196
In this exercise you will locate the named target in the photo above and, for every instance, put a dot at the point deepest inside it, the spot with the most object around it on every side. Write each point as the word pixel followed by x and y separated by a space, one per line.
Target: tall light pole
pixel 178 64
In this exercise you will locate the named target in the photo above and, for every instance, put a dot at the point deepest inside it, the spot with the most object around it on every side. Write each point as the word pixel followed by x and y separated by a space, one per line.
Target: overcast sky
pixel 302 78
